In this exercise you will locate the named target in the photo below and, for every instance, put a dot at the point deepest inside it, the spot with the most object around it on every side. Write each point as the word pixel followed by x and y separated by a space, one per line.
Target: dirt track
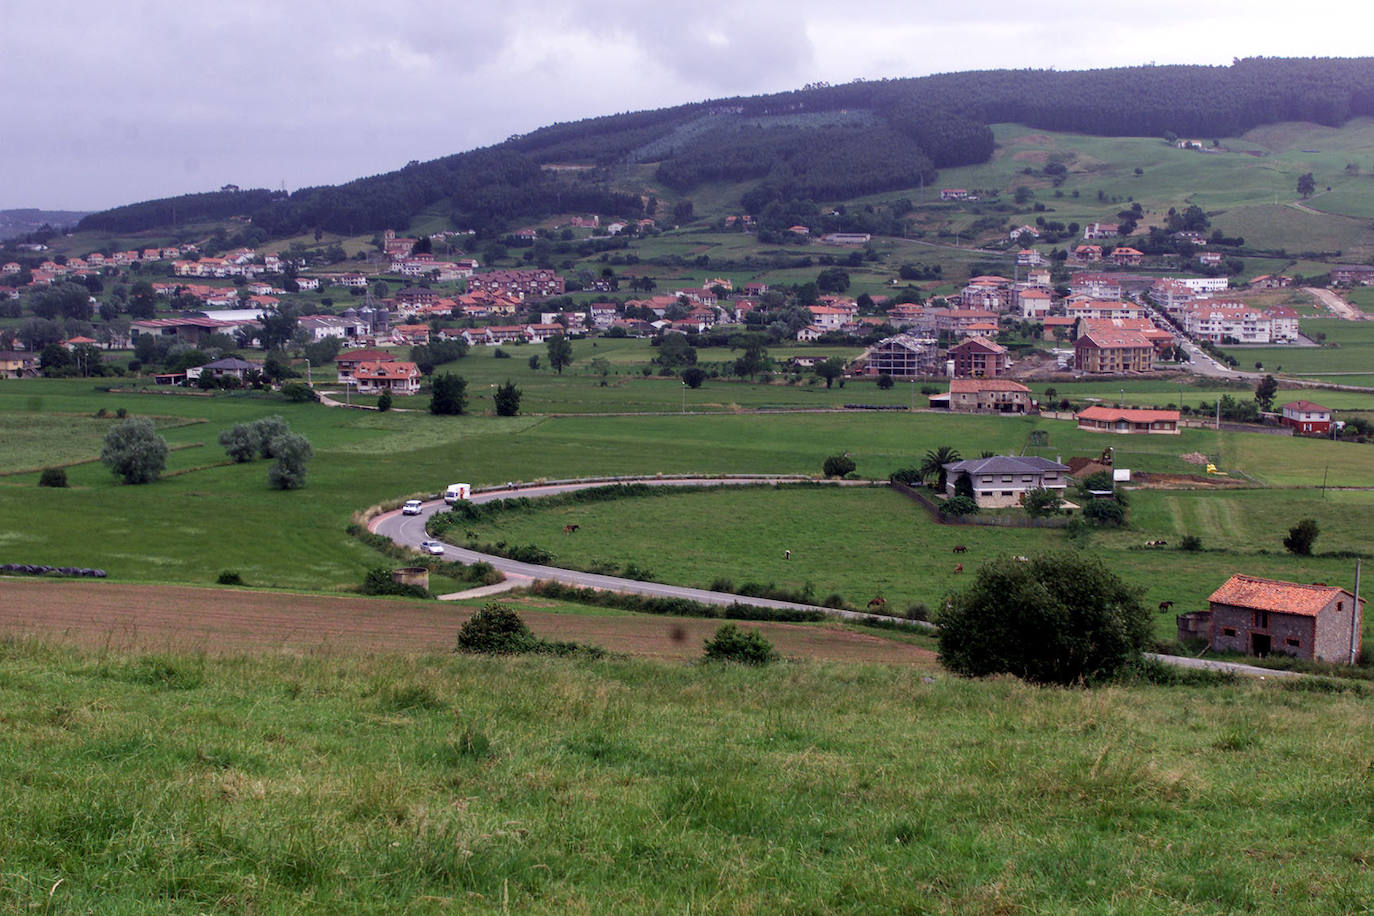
pixel 1334 303
pixel 231 621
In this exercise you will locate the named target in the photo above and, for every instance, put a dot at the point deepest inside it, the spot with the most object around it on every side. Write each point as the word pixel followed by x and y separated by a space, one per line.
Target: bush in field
pixel 384 402
pixel 1190 542
pixel 134 451
pixel 265 429
pixel 241 442
pixel 53 477
pixel 1301 537
pixel 1059 619
pixel 838 465
pixel 495 630
pixel 507 400
pixel 229 577
pixel 732 644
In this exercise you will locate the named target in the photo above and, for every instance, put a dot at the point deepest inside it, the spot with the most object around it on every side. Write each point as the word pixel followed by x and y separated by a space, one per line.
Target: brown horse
pixel 878 601
pixel 960 548
pixel 1165 605
pixel 569 529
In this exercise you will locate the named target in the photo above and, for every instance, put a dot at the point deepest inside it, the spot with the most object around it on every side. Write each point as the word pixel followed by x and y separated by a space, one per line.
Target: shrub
pixel 229 577
pixel 53 477
pixel 298 392
pixel 507 400
pixel 732 644
pixel 1191 543
pixel 959 506
pixel 241 442
pixel 378 581
pixel 1060 619
pixel 884 381
pixel 912 477
pixel 449 394
pixel 134 451
pixel 495 630
pixel 838 465
pixel 1301 536
pixel 384 401
pixel 1105 512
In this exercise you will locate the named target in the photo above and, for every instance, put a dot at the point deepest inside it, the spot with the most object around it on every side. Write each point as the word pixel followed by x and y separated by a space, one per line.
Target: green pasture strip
pixel 433 784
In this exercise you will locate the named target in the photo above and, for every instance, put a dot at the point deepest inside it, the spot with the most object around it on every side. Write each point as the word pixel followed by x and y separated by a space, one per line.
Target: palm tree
pixel 933 465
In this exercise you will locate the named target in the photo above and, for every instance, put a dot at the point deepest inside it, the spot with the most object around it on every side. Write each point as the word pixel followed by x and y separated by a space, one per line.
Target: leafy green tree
pixel 832 280
pixel 1301 537
pixel 838 465
pixel 1058 619
pixel 959 506
pixel 266 429
pixel 292 451
pixel 560 353
pixel 1307 185
pixel 241 442
pixel 830 370
pixel 134 451
pixel 933 464
pixel 278 327
pixel 963 486
pixel 885 381
pixel 693 376
pixel 674 351
pixel 534 361
pixel 449 396
pixel 1042 502
pixel 507 400
pixel 754 359
pixel 1265 391
pixel 384 401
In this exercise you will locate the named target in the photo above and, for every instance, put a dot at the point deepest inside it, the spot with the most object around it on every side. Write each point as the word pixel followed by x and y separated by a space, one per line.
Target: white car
pixel 435 548
pixel 412 507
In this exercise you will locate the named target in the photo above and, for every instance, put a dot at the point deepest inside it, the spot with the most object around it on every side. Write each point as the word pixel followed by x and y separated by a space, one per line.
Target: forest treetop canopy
pixel 819 142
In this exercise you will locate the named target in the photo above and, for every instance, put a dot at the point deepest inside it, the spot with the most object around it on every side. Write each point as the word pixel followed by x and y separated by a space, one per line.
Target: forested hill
pixel 821 142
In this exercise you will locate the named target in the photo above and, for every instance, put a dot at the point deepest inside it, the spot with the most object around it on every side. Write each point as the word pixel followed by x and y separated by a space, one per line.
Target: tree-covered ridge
pixel 826 141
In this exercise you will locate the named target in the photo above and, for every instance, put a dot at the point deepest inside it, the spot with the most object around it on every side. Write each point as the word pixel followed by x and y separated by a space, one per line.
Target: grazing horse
pixel 959 567
pixel 569 529
pixel 960 548
pixel 1165 605
pixel 878 601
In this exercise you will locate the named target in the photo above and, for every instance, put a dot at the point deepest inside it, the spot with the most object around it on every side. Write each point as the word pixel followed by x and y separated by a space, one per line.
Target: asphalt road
pixel 410 531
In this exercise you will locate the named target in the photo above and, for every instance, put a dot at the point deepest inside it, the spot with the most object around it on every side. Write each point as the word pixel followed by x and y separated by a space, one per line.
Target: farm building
pixel 1261 616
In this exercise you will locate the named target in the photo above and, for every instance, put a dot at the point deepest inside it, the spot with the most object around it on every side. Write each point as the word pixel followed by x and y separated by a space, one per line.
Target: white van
pixel 457 491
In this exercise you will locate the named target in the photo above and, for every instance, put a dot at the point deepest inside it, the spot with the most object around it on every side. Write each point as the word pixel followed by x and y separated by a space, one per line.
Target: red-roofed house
pixel 1306 417
pixel 988 395
pixel 396 377
pixel 345 363
pixel 1100 419
pixel 1260 616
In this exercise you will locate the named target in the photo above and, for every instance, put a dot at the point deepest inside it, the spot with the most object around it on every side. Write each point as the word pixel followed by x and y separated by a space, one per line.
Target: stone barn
pixel 1258 616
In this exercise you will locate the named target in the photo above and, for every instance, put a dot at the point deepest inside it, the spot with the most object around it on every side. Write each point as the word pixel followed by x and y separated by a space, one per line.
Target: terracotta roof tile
pixel 1275 595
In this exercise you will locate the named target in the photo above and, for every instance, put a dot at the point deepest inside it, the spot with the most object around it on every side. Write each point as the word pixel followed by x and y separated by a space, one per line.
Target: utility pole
pixel 1355 622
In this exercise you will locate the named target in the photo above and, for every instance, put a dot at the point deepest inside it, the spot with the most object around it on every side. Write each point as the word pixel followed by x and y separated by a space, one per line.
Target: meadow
pixel 207 515
pixel 861 543
pixel 433 783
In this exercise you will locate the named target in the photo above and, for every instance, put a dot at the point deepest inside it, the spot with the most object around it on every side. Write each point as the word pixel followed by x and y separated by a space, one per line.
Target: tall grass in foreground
pixel 446 783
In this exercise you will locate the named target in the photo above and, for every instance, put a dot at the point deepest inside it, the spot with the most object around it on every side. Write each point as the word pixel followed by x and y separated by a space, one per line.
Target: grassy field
pixel 1349 348
pixel 382 783
pixel 862 543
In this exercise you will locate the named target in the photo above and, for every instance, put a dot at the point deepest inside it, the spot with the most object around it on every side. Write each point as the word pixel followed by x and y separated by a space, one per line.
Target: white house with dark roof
pixel 1003 480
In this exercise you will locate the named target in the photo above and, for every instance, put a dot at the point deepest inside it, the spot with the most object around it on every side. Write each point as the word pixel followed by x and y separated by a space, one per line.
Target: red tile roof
pixel 1306 407
pixel 1129 414
pixel 974 385
pixel 1274 595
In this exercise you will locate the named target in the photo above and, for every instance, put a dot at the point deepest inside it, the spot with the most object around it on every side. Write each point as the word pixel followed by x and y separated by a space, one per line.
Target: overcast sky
pixel 110 103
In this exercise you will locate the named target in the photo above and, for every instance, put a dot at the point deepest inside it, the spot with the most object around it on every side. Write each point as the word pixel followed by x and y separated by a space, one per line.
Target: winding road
pixel 410 531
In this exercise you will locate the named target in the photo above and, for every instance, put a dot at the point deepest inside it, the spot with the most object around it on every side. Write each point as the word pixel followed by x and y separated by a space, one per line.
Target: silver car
pixel 435 548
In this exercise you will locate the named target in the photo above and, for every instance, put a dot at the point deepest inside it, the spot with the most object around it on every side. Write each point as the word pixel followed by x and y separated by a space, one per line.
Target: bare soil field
pixel 231 621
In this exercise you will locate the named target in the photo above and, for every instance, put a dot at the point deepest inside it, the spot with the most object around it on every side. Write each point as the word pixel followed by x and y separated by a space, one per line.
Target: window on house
pixel 1228 631
pixel 1006 493
pixel 1290 641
